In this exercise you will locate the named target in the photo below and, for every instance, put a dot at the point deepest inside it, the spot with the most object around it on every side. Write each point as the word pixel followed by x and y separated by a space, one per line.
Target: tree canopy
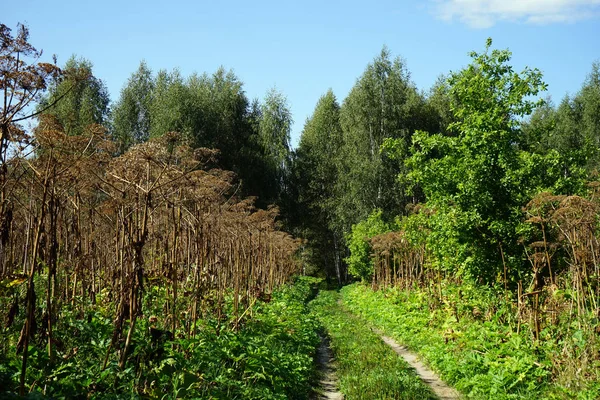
pixel 84 99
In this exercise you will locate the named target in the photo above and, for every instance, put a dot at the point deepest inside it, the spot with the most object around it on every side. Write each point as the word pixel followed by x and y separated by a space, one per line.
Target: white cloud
pixel 485 13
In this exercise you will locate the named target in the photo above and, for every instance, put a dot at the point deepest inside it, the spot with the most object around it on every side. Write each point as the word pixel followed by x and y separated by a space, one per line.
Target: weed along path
pixel 439 387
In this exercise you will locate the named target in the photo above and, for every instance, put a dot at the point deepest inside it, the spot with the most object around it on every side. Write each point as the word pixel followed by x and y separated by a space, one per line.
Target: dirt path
pixel 441 390
pixel 328 384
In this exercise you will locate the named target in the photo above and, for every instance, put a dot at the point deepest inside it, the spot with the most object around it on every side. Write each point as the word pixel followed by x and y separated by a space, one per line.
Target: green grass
pixel 366 367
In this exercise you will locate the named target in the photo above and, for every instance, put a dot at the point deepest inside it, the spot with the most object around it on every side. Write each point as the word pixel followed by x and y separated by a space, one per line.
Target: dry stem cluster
pixel 93 228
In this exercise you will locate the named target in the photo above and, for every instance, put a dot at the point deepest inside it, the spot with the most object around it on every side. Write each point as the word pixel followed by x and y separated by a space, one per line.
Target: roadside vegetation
pixel 473 229
pixel 474 342
pixel 267 356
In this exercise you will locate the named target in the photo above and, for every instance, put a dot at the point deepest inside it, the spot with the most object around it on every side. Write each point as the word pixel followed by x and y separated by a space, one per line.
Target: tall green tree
pixel 588 104
pixel 477 179
pixel 219 116
pixel 569 134
pixel 213 111
pixel 438 107
pixel 384 103
pixel 274 136
pixel 84 99
pixel 538 130
pixel 168 105
pixel 316 171
pixel 131 114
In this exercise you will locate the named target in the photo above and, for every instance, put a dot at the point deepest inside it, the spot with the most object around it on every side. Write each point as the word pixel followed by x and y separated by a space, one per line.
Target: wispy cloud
pixel 485 13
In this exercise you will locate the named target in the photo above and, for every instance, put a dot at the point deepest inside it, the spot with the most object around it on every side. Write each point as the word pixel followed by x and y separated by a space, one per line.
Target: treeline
pixel 128 210
pixel 453 167
pixel 208 110
pixel 340 172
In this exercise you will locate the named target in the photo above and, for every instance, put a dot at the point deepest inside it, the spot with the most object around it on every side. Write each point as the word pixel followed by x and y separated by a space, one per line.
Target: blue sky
pixel 306 47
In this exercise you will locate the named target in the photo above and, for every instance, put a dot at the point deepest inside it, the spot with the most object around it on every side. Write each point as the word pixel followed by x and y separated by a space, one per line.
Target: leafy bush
pixel 359 262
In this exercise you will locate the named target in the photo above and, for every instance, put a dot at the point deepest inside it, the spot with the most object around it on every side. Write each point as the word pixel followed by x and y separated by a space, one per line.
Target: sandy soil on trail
pixel 328 384
pixel 443 391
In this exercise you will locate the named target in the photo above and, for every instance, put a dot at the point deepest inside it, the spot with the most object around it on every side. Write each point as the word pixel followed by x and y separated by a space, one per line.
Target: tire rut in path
pixel 328 383
pixel 439 387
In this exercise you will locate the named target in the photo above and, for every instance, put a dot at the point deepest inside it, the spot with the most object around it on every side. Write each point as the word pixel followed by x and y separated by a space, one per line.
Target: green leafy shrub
pixel 359 261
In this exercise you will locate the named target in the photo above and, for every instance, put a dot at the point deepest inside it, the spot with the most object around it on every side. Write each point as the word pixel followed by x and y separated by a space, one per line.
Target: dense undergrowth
pixel 367 368
pixel 475 343
pixel 269 356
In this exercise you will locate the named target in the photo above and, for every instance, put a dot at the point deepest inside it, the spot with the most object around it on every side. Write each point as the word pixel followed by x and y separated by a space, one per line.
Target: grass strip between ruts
pixel 366 367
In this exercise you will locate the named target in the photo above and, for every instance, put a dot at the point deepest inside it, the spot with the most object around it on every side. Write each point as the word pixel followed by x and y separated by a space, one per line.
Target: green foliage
pixel 169 98
pixel 469 336
pixel 475 178
pixel 439 106
pixel 475 351
pixel 131 113
pixel 572 132
pixel 466 148
pixel 315 173
pixel 269 357
pixel 275 127
pixel 318 156
pixel 84 99
pixel 211 111
pixel 359 261
pixel 367 368
pixel 383 104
